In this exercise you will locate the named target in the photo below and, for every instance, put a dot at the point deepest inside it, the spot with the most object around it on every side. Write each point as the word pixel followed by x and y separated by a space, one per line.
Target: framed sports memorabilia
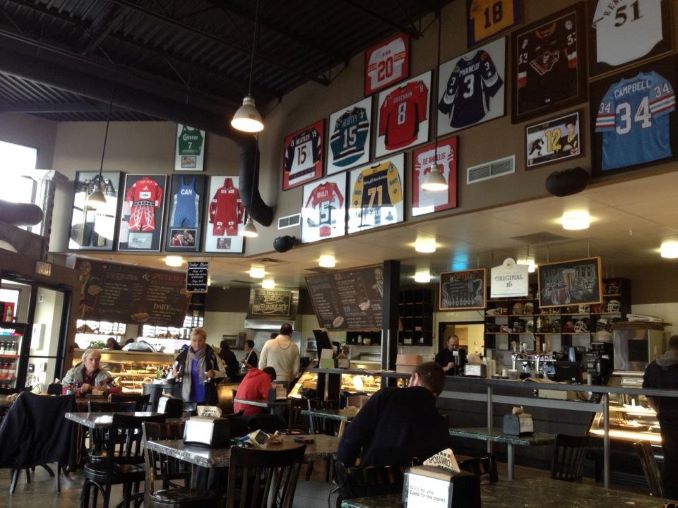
pixel 576 282
pixel 549 64
pixel 323 211
pixel 446 153
pixel 377 194
pixel 94 228
pixel 226 216
pixel 624 32
pixel 350 137
pixel 403 115
pixel 462 290
pixel 634 118
pixel 471 88
pixel 186 204
pixel 189 150
pixel 487 18
pixel 387 63
pixel 303 155
pixel 142 212
pixel 554 140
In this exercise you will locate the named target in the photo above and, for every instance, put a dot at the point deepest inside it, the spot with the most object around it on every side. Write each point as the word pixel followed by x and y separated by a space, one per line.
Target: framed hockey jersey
pixel 624 32
pixel 349 133
pixel 549 64
pixel 189 151
pixel 377 194
pixel 471 88
pixel 94 228
pixel 225 216
pixel 487 18
pixel 142 211
pixel 634 117
pixel 323 209
pixel 303 155
pixel 403 115
pixel 445 152
pixel 387 63
pixel 185 222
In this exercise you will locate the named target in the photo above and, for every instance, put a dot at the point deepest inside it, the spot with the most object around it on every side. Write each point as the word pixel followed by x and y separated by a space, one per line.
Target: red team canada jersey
pixel 144 192
pixel 401 113
pixel 226 210
pixel 325 198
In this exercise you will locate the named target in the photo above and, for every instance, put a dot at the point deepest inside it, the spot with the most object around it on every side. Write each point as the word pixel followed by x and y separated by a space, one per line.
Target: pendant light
pixel 434 181
pixel 250 230
pixel 247 118
pixel 97 198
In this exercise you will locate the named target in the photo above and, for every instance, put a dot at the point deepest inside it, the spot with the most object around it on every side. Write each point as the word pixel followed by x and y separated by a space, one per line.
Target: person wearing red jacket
pixel 254 386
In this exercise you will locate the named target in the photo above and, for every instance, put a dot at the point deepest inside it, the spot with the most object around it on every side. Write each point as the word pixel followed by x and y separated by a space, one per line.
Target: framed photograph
pixel 403 115
pixel 634 118
pixel 487 18
pixel 226 216
pixel 94 228
pixel 624 32
pixel 471 88
pixel 189 150
pixel 377 195
pixel 303 155
pixel 387 63
pixel 446 153
pixel 549 64
pixel 350 137
pixel 186 204
pixel 554 140
pixel 323 210
pixel 463 290
pixel 576 282
pixel 142 212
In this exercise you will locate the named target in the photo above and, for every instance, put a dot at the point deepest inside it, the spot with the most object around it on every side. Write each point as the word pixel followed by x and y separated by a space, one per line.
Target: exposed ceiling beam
pixel 62 107
pixel 359 5
pixel 106 26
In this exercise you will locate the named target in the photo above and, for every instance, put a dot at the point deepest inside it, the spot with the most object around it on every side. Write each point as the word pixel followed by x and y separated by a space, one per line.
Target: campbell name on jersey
pixel 349 137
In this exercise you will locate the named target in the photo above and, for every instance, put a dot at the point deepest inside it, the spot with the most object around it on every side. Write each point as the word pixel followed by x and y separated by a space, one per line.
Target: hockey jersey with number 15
pixel 325 198
pixel 302 153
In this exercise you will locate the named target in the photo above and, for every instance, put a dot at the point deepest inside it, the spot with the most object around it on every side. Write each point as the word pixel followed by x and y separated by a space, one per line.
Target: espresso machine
pixel 598 362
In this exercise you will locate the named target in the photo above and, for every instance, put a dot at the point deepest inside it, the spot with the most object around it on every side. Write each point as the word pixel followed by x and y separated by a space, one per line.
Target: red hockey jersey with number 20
pixel 226 210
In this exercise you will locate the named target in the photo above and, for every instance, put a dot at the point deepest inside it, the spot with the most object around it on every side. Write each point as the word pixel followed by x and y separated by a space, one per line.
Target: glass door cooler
pixel 11 338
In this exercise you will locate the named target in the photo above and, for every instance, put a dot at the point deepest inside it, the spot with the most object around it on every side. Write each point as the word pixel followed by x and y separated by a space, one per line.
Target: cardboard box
pixel 407 363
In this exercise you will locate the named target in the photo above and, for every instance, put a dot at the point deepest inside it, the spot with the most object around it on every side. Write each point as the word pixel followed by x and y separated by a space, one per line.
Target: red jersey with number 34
pixel 401 113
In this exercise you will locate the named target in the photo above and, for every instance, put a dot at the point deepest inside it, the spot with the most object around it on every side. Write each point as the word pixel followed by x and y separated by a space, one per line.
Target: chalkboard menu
pixel 348 299
pixel 131 294
pixel 270 303
pixel 197 276
pixel 463 290
pixel 575 282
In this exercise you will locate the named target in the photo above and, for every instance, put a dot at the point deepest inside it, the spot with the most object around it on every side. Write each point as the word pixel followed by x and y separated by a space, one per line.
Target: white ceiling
pixel 630 219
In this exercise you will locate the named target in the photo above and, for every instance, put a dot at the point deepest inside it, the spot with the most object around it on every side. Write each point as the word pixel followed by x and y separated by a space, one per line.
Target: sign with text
pixel 270 303
pixel 509 280
pixel 197 276
pixel 462 290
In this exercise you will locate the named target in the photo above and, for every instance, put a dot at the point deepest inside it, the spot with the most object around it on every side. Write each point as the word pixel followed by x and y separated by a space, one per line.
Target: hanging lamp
pixel 97 198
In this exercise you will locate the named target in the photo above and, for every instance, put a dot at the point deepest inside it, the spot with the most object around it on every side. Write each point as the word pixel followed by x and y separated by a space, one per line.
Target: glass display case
pixel 11 336
pixel 353 383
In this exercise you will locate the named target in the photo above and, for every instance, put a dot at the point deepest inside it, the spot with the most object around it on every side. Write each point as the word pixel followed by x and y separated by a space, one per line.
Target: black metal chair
pixel 485 466
pixel 142 402
pixel 568 457
pixel 353 482
pixel 94 406
pixel 650 468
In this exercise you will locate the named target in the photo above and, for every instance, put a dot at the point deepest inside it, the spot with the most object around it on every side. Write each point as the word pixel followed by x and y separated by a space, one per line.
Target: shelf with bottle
pixel 364 338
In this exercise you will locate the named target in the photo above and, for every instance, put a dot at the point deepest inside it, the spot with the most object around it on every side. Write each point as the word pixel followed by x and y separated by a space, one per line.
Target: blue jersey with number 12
pixel 633 118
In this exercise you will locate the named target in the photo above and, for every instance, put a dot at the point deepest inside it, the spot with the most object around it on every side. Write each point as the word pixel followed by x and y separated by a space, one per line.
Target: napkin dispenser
pixel 170 407
pixel 432 486
pixel 475 370
pixel 518 423
pixel 207 431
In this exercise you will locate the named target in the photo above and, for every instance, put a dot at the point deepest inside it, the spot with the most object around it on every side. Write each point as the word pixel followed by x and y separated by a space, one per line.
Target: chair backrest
pixel 263 477
pixel 123 442
pixel 141 401
pixel 366 481
pixel 95 406
pixel 650 468
pixel 162 468
pixel 568 457
pixel 318 424
pixel 482 466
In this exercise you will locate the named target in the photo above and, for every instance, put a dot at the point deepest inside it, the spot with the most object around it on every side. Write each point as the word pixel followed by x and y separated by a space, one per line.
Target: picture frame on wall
pixel 634 119
pixel 485 19
pixel 189 149
pixel 446 153
pixel 549 64
pixel 225 216
pixel 142 212
pixel 573 282
pixel 303 155
pixel 186 202
pixel 403 119
pixel 463 290
pixel 554 140
pixel 349 135
pixel 323 210
pixel 93 228
pixel 624 33
pixel 377 194
pixel 387 62
pixel 471 88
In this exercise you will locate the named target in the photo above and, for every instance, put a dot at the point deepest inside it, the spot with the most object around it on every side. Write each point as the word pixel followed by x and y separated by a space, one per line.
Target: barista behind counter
pixel 453 358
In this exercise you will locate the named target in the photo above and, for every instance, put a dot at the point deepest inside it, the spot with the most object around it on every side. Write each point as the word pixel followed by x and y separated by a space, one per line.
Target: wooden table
pixel 343 416
pixel 540 492
pixel 497 436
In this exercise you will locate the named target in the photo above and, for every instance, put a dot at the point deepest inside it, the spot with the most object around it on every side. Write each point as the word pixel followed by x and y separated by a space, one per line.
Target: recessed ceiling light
pixel 575 220
pixel 425 244
pixel 174 261
pixel 422 276
pixel 268 283
pixel 327 261
pixel 257 271
pixel 669 249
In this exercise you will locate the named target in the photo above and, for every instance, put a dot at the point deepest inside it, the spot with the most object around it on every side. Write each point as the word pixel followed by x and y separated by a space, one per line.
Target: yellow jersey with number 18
pixel 490 17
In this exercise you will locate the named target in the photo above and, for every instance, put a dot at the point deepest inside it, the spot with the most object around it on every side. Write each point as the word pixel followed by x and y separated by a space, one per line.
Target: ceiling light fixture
pixel 247 118
pixel 529 261
pixel 669 249
pixel 250 230
pixel 257 271
pixel 422 276
pixel 425 245
pixel 174 261
pixel 268 283
pixel 575 220
pixel 327 261
pixel 97 198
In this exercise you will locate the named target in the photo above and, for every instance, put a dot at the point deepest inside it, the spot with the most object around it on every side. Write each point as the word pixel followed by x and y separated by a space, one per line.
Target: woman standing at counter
pixel 195 367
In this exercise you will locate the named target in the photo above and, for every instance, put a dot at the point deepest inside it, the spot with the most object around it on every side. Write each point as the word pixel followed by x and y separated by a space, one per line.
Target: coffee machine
pixel 598 362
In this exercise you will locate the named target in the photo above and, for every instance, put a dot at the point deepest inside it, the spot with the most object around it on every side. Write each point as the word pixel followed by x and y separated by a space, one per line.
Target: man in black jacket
pixel 397 425
pixel 663 373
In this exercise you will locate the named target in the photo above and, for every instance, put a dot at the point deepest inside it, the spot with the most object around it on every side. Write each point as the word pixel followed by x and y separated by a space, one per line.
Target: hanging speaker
pixel 284 243
pixel 567 182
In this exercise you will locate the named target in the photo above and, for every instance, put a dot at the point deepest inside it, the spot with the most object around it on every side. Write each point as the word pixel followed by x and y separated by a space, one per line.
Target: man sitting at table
pixel 254 386
pixel 397 425
pixel 87 376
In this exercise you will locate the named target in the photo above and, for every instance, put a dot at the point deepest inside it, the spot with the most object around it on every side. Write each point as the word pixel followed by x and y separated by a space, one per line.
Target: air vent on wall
pixel 289 221
pixel 487 170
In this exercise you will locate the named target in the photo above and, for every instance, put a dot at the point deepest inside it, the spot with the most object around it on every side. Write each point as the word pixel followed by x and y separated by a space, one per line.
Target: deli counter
pixel 351 381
